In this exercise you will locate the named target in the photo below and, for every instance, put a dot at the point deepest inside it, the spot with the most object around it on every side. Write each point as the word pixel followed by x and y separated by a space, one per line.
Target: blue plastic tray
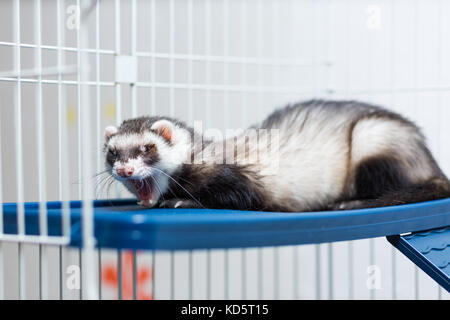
pixel 123 224
pixel 429 250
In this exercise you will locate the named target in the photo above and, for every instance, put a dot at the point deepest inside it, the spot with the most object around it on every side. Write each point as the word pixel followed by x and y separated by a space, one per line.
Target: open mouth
pixel 145 191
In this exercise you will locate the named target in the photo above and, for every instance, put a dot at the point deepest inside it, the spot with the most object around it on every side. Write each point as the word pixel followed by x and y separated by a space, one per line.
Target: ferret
pixel 329 155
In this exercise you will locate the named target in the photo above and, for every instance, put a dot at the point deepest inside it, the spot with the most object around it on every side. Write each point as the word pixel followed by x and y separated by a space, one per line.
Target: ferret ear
pixel 164 128
pixel 109 132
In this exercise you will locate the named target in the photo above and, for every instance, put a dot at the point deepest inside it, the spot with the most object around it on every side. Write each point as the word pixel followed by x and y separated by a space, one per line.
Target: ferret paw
pixel 178 203
pixel 348 205
pixel 146 203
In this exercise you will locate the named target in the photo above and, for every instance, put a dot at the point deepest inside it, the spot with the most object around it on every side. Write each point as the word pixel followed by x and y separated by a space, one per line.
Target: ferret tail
pixel 434 189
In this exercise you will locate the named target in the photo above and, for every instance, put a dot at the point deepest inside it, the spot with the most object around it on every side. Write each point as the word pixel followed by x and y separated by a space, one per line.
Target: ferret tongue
pixel 144 192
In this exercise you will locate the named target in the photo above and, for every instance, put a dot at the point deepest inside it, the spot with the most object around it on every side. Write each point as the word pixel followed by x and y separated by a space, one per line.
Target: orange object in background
pixel 143 278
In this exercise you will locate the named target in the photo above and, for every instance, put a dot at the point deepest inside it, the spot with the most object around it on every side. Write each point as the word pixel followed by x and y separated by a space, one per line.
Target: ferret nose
pixel 125 171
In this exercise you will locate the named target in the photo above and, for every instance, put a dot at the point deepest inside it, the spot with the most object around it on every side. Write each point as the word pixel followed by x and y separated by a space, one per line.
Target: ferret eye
pixel 113 152
pixel 146 148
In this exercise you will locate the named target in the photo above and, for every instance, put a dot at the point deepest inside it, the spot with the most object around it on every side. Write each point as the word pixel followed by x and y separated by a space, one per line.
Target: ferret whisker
pixel 104 178
pixel 170 177
pixel 100 173
pixel 108 182
pixel 171 191
pixel 187 181
pixel 101 185
pixel 158 187
pixel 109 187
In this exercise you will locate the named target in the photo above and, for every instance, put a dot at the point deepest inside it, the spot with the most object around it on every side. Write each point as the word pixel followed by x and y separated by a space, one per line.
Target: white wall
pixel 261 55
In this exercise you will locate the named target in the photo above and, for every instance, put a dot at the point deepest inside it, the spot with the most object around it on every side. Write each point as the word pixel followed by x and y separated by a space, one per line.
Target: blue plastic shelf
pixel 123 224
pixel 429 250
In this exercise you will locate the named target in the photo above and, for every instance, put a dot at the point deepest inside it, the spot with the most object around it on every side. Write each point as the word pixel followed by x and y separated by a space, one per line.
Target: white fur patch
pixel 383 136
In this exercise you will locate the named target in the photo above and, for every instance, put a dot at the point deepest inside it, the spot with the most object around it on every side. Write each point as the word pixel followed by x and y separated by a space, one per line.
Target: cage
pixel 70 68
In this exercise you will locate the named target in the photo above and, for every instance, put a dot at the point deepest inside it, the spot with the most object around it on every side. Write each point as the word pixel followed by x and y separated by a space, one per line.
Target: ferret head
pixel 142 153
